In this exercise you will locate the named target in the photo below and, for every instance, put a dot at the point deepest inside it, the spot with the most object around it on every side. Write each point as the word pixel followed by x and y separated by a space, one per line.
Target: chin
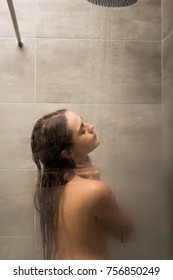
pixel 97 141
pixel 96 144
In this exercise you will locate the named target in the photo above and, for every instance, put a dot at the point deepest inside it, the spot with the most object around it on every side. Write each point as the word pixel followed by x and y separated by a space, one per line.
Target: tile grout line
pixel 162 80
pixel 101 39
pixel 35 45
pixel 167 37
pixel 162 52
pixel 35 99
pixel 75 103
pixel 85 39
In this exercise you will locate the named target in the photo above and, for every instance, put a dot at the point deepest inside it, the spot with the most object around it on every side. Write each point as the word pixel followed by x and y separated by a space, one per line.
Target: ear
pixel 65 154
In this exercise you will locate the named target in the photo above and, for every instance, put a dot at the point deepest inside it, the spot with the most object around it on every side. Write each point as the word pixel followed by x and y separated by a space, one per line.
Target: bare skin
pixel 88 213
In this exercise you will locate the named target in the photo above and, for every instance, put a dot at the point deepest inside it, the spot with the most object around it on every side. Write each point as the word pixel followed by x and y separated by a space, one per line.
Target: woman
pixel 77 211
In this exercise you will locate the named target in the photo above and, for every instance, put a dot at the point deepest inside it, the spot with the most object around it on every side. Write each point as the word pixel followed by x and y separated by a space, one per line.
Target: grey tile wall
pixel 17 79
pixel 167 45
pixel 167 124
pixel 15 135
pixel 167 19
pixel 17 248
pixel 143 21
pixel 98 71
pixel 16 214
pixel 167 112
pixel 17 88
pixel 141 74
pixel 81 19
pixel 38 247
pixel 143 196
pixel 25 12
pixel 167 70
pixel 89 74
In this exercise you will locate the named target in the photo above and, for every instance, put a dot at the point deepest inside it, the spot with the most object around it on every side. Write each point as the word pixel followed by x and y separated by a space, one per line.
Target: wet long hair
pixel 50 136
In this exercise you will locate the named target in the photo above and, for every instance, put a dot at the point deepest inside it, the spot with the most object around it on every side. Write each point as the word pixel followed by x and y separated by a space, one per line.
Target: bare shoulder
pixel 98 187
pixel 96 191
pixel 103 194
pixel 102 189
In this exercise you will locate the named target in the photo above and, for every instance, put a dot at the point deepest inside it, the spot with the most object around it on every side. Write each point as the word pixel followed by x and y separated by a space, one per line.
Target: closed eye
pixel 83 128
pixel 83 131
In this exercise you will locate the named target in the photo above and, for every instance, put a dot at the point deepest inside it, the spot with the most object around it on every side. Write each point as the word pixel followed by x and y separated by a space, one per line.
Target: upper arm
pixel 110 214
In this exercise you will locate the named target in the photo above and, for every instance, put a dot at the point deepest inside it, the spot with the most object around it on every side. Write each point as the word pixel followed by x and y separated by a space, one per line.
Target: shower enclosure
pixel 112 66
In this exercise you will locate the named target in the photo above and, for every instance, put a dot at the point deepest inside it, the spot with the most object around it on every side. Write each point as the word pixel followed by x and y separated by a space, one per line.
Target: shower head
pixel 113 3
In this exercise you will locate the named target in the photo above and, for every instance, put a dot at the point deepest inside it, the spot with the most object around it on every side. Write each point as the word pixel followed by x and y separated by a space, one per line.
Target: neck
pixel 86 162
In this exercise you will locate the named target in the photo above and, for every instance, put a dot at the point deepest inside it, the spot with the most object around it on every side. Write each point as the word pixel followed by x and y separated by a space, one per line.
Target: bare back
pixel 80 234
pixel 88 212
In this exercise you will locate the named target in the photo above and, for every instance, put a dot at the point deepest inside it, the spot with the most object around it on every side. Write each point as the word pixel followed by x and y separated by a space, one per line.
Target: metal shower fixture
pixel 113 3
pixel 14 20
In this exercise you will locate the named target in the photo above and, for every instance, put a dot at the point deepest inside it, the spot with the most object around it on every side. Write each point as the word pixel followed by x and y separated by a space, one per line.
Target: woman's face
pixel 84 138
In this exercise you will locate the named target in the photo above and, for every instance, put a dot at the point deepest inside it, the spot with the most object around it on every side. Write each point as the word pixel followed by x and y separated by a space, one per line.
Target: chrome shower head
pixel 113 3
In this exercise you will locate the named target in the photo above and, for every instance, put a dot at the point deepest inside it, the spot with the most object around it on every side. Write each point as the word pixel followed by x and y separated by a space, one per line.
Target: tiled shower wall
pixel 167 109
pixel 105 64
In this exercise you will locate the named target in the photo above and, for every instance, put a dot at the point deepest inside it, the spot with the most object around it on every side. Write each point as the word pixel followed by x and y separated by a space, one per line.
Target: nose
pixel 90 127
